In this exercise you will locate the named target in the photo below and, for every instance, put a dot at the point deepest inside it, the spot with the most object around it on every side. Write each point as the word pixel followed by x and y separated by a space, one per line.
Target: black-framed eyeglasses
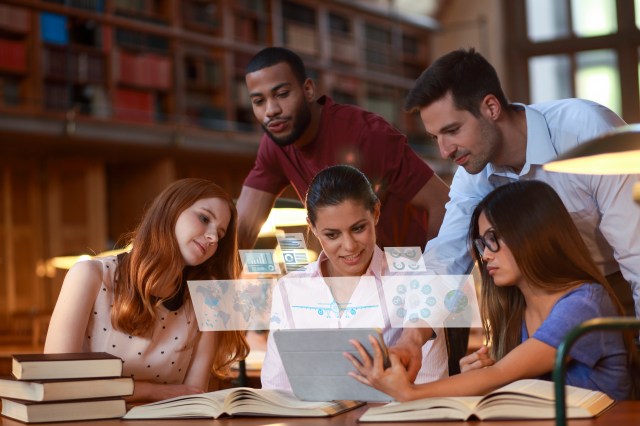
pixel 488 240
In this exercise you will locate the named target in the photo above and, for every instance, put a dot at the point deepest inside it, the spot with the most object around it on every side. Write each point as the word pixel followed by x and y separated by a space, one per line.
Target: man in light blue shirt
pixel 464 110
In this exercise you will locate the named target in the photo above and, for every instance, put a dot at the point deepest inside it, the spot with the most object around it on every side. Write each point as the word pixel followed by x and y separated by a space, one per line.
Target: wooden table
pixel 626 413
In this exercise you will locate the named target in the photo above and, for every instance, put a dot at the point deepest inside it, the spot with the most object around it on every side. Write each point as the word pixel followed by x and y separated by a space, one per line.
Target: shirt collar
pixel 376 266
pixel 540 148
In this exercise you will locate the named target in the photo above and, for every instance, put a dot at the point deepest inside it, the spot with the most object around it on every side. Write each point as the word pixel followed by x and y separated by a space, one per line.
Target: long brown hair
pixel 531 219
pixel 155 262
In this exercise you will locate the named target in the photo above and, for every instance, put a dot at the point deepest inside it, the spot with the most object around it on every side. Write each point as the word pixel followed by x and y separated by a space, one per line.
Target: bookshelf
pixel 299 28
pixel 182 62
pixel 15 26
pixel 203 16
pixel 341 39
pixel 104 102
pixel 251 21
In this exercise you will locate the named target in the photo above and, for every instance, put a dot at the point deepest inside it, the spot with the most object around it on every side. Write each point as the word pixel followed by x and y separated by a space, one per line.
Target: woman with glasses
pixel 538 282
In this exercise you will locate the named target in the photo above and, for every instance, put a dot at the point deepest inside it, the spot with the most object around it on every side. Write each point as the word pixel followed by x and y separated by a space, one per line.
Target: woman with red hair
pixel 136 305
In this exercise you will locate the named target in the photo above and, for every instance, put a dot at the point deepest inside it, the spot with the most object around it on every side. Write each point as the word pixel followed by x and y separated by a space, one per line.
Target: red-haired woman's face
pixel 200 227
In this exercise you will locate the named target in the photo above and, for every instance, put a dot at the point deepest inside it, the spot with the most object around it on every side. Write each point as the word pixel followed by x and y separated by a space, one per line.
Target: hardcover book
pixel 61 411
pixel 65 366
pixel 65 389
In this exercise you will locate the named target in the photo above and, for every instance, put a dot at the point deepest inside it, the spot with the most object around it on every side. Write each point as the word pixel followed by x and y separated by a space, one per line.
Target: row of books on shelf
pixel 75 65
pixel 13 55
pixel 79 65
pixel 88 386
pixel 87 66
pixel 55 29
pixel 143 69
pixel 134 105
pixel 15 19
pixel 95 5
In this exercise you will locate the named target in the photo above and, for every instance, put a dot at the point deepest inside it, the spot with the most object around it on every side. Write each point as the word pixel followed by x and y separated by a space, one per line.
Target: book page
pixel 435 413
pixel 533 398
pixel 543 389
pixel 280 403
pixel 531 387
pixel 269 397
pixel 201 405
pixel 427 408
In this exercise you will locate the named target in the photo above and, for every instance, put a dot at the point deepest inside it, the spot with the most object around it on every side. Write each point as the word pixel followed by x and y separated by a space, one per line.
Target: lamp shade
pixel 614 153
pixel 286 212
pixel 66 262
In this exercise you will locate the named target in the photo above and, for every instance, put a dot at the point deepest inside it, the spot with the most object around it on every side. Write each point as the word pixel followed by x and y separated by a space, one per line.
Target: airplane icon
pixel 327 309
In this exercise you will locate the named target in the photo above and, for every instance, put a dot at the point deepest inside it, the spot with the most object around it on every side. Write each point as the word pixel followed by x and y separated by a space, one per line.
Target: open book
pixel 239 402
pixel 523 399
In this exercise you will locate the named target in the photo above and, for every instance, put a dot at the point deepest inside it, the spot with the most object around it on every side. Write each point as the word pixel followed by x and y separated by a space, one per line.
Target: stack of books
pixel 65 387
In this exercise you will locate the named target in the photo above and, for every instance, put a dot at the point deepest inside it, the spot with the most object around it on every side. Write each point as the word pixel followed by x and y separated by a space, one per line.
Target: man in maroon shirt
pixel 303 135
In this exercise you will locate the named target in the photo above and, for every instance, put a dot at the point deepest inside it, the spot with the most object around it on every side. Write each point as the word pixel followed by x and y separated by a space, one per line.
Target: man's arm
pixel 432 198
pixel 447 254
pixel 253 207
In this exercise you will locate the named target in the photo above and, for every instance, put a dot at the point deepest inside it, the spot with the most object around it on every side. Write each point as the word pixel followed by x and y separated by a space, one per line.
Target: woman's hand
pixel 476 360
pixel 393 381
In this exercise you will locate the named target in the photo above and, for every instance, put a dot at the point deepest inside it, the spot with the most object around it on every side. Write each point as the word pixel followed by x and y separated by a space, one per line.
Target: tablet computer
pixel 316 367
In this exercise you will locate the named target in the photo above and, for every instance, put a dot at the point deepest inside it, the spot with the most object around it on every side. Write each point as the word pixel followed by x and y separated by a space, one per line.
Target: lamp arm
pixel 608 323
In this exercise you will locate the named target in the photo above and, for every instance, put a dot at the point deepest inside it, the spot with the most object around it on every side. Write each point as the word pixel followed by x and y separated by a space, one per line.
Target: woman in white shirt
pixel 343 288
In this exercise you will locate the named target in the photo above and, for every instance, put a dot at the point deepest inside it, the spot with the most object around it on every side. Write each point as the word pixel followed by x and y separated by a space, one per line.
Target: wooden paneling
pixel 76 217
pixel 131 188
pixel 20 237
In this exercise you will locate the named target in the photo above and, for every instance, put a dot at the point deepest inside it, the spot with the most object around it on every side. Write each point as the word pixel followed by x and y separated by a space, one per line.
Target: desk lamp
pixel 615 153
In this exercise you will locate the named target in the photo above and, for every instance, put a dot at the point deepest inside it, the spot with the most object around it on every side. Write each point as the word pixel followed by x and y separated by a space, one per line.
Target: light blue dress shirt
pixel 601 206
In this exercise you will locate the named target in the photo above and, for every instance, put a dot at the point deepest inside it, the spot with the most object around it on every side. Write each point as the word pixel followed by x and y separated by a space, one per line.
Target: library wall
pixel 105 102
pixel 76 212
pixel 473 24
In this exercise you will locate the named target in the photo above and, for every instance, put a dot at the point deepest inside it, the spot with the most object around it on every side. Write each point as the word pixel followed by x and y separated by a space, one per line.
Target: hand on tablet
pixel 393 381
pixel 408 348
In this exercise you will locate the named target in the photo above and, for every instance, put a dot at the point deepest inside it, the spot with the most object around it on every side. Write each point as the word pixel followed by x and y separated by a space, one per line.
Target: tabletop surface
pixel 625 413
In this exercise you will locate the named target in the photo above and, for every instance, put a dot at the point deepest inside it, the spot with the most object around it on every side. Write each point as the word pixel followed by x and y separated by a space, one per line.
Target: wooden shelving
pixel 203 16
pixel 300 28
pixel 251 21
pixel 14 38
pixel 342 41
pixel 182 62
pixel 413 53
pixel 204 90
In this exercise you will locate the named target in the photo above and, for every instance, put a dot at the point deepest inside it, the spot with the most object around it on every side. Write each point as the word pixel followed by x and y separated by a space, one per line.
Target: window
pixel 576 48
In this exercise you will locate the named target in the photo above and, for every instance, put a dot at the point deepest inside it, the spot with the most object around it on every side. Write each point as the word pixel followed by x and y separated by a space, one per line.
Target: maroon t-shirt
pixel 351 135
